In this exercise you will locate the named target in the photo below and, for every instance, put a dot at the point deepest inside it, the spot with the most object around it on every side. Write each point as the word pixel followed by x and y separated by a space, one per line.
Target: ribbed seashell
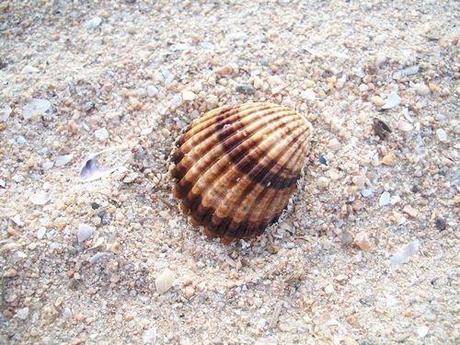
pixel 237 166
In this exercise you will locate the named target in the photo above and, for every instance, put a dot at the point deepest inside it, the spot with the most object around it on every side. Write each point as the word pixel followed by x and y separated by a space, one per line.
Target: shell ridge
pixel 211 158
pixel 265 191
pixel 229 113
pixel 198 137
pixel 224 172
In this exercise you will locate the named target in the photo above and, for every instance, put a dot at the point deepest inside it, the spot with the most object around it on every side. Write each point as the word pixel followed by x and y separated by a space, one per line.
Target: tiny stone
pixel 362 241
pixel 389 159
pixel 152 91
pixel 93 23
pixel 405 126
pixel 5 113
pixel 63 160
pixel 410 211
pixel 40 198
pixel 392 101
pixel 403 255
pixel 101 134
pixel 149 336
pixel 406 72
pixel 308 84
pixel 189 291
pixel 258 83
pixel 422 331
pixel 47 165
pixel 36 107
pixel 2 183
pixel 224 71
pixel 377 101
pixel 164 281
pixel 188 95
pixel 367 193
pixel 67 313
pixel 346 238
pixel 41 233
pixel 308 95
pixel 440 224
pixel 380 59
pixel 329 289
pixel 246 89
pixel 323 182
pixel 22 313
pixel 384 199
pixel 30 69
pixel 441 134
pixel 422 89
pixel 84 232
pixel 363 87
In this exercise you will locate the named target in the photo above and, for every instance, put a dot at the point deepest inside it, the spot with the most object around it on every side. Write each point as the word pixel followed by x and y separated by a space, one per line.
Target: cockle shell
pixel 237 166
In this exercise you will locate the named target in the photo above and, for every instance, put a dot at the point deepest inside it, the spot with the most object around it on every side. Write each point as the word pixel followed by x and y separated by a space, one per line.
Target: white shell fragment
pixel 164 281
pixel 93 23
pixel 404 254
pixel 384 199
pixel 36 107
pixel 392 101
pixel 40 198
pixel 63 160
pixel 85 232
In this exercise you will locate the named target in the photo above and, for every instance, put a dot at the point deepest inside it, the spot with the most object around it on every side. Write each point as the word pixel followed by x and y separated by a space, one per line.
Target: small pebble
pixel 30 69
pixel 188 95
pixel 152 91
pixel 5 113
pixel 329 289
pixel 308 95
pixel 406 72
pixel 405 126
pixel 380 59
pixel 2 183
pixel 384 199
pixel 392 101
pixel 63 160
pixel 410 211
pixel 403 255
pixel 149 336
pixel 22 313
pixel 442 135
pixel 389 159
pixel 323 182
pixel 362 241
pixel 367 193
pixel 101 134
pixel 377 101
pixel 36 107
pixel 164 281
pixel 422 89
pixel 422 331
pixel 84 232
pixel 40 198
pixel 246 89
pixel 225 71
pixel 93 23
pixel 440 224
pixel 346 238
pixel 258 83
pixel 41 233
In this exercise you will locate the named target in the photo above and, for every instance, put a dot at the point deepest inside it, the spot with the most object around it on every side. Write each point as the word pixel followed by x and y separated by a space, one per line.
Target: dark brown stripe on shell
pixel 245 164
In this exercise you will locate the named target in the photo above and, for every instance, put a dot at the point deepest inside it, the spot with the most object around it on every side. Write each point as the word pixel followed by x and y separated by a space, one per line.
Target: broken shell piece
pixel 237 167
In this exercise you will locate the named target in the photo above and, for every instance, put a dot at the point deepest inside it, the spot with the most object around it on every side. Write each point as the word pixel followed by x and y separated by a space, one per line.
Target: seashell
pixel 237 166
